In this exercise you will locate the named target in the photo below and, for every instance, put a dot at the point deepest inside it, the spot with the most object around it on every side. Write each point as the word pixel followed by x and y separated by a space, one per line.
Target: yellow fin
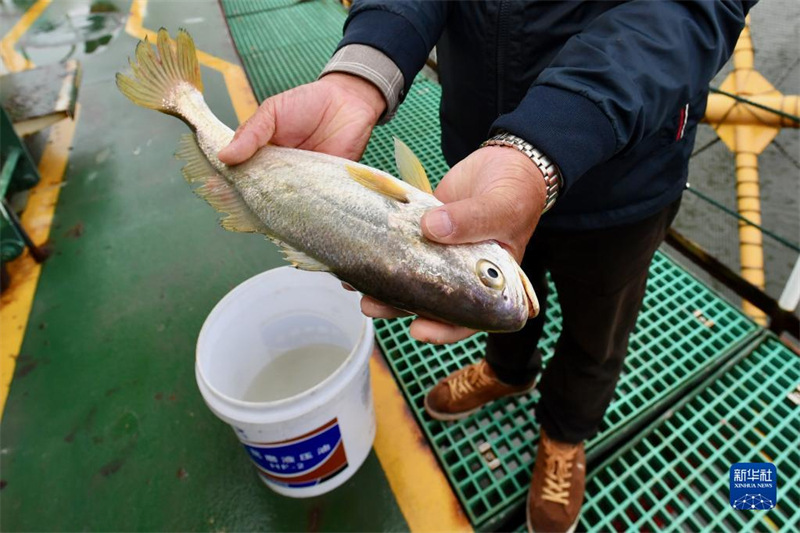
pixel 216 190
pixel 155 77
pixel 378 183
pixel 299 259
pixel 410 168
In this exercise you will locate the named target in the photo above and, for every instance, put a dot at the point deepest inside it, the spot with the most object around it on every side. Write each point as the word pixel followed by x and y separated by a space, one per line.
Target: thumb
pixel 479 218
pixel 250 136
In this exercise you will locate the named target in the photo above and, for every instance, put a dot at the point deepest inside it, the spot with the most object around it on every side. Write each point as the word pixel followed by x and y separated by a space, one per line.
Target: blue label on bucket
pixel 302 461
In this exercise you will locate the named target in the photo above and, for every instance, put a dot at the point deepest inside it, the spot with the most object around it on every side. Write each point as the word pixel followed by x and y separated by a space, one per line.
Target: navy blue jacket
pixel 611 91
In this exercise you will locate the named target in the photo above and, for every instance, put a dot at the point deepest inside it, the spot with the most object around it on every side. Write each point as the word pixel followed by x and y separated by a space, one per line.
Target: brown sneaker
pixel 559 478
pixel 465 391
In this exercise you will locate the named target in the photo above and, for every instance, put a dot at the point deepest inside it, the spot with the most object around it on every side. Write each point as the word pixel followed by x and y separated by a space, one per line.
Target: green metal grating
pixel 243 8
pixel 298 24
pixel 675 478
pixel 673 346
pixel 417 124
pixel 268 70
pixel 284 44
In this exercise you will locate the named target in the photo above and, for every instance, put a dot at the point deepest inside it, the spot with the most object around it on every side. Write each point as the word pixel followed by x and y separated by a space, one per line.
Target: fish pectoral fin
pixel 378 182
pixel 215 189
pixel 410 168
pixel 300 260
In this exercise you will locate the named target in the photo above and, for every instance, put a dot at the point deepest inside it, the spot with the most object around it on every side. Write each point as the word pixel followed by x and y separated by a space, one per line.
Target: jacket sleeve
pixel 618 80
pixel 405 31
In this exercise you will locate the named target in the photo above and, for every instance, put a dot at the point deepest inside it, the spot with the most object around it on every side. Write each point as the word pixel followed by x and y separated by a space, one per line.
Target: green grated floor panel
pixel 298 24
pixel 676 476
pixel 308 59
pixel 416 124
pixel 282 43
pixel 684 331
pixel 243 8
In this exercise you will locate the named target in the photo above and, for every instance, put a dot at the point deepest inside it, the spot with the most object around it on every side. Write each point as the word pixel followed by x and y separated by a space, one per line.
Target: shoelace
pixel 557 473
pixel 472 378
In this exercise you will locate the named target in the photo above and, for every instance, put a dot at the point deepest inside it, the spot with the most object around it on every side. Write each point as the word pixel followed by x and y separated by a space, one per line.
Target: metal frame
pixel 780 320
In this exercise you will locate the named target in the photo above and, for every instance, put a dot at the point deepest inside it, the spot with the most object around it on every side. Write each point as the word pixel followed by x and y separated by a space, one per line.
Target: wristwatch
pixel 552 176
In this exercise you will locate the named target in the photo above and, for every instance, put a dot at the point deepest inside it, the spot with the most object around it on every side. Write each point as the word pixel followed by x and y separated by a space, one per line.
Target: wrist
pixel 549 172
pixel 359 88
pixel 517 164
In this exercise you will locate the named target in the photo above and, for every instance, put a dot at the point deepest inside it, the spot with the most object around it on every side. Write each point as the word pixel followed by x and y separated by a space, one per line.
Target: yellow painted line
pixel 13 60
pixel 244 101
pixel 242 97
pixel 419 486
pixel 16 302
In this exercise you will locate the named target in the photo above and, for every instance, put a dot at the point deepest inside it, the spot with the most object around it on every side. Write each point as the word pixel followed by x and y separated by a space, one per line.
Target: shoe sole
pixel 449 417
pixel 528 517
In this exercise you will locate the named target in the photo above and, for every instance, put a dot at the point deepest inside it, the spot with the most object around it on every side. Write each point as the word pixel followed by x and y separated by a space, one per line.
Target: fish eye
pixel 490 275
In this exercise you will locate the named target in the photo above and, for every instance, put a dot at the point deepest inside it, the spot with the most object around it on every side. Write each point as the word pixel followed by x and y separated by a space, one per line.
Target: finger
pixel 432 332
pixel 250 136
pixel 375 309
pixel 487 216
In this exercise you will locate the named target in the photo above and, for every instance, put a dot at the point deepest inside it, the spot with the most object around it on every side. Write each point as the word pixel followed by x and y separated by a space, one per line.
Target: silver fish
pixel 331 214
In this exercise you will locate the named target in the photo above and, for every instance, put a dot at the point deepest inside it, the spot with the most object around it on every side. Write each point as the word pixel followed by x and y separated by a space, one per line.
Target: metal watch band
pixel 552 176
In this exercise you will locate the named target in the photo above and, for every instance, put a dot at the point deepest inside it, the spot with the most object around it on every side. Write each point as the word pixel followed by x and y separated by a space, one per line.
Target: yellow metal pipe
pixel 743 59
pixel 751 250
pixel 725 109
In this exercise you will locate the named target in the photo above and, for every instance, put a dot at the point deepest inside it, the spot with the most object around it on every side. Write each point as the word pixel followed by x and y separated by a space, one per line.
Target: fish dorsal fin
pixel 299 259
pixel 215 189
pixel 378 182
pixel 410 168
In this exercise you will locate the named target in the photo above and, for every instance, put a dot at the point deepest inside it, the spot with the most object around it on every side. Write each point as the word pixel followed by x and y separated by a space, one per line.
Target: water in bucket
pixel 295 371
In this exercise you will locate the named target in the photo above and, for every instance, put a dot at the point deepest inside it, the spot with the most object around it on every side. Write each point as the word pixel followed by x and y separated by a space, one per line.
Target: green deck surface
pixel 104 428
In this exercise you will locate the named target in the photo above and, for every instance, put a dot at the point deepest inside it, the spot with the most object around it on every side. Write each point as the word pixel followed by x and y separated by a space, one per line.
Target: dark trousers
pixel 600 276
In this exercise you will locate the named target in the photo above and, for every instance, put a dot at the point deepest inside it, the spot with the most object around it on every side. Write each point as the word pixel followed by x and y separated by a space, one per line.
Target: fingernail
pixel 438 223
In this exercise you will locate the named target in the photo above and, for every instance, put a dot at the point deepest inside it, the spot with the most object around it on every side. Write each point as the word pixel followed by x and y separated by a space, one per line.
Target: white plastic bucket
pixel 310 443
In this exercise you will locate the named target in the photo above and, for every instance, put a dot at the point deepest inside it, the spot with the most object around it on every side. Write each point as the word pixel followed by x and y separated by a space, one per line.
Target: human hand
pixel 334 115
pixel 496 193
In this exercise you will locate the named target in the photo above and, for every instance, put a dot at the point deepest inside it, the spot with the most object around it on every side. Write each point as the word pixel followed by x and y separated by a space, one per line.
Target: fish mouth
pixel 530 294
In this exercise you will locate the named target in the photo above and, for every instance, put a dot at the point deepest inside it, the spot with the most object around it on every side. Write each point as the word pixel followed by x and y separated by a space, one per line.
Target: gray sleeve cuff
pixel 374 66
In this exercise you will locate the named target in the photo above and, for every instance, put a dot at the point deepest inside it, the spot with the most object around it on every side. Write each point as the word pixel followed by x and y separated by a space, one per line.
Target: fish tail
pixel 157 79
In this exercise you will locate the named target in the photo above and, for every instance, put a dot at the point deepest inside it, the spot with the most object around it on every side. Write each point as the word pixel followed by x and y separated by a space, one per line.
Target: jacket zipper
pixel 502 19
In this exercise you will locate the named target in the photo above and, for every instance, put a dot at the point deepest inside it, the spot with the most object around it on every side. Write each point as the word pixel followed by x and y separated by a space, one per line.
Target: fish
pixel 331 214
